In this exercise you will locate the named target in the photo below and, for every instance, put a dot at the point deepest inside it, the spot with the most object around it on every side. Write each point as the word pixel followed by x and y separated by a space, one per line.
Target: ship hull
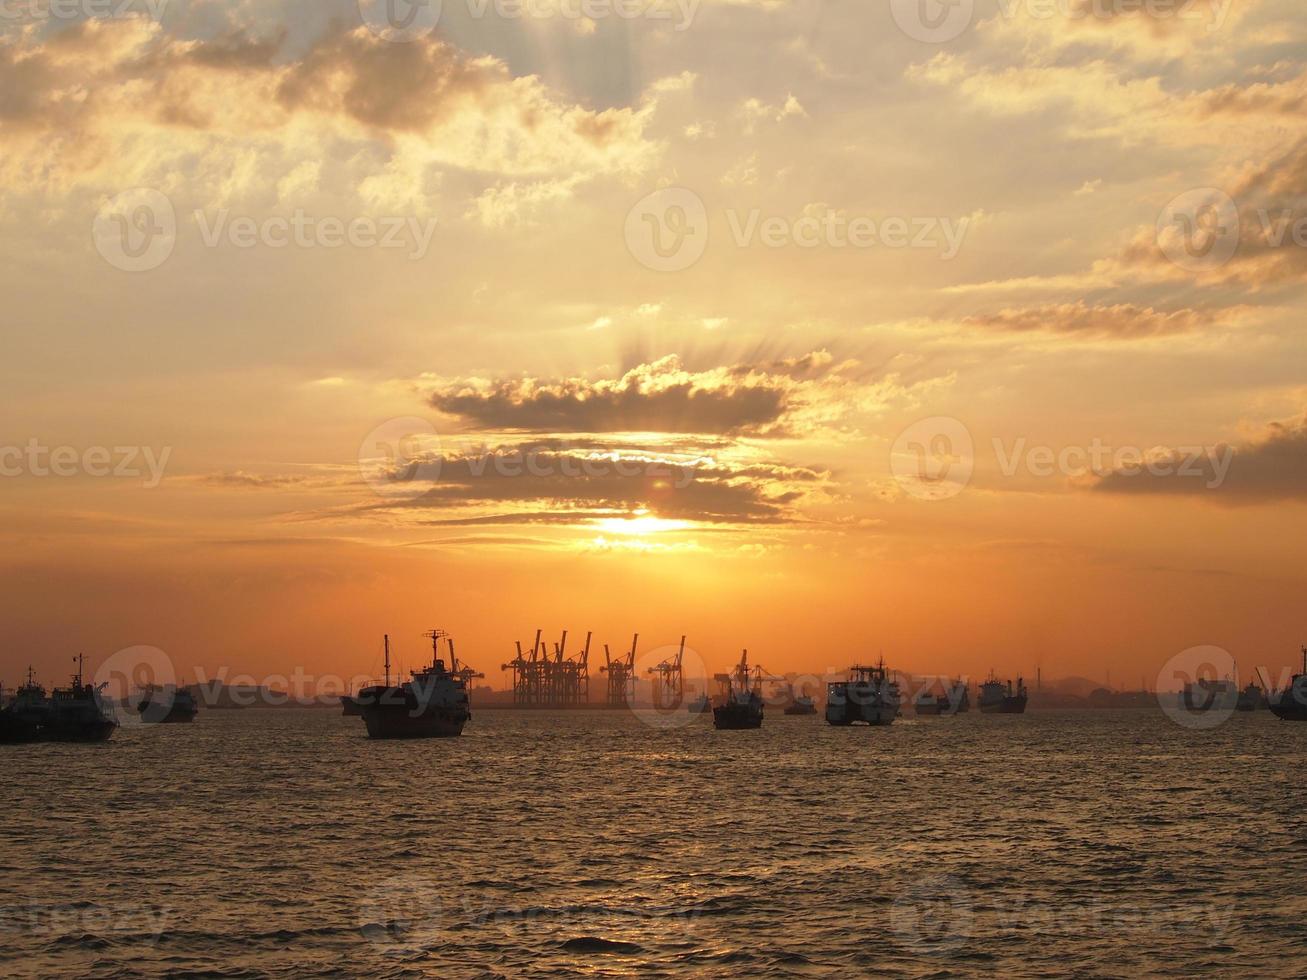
pixel 349 707
pixel 733 717
pixel 872 715
pixel 90 731
pixel 1288 708
pixel 161 714
pixel 398 713
pixel 386 722
pixel 15 729
pixel 1008 706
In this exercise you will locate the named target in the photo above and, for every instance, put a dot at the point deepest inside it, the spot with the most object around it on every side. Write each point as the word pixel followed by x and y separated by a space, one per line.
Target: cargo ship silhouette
pixel 432 703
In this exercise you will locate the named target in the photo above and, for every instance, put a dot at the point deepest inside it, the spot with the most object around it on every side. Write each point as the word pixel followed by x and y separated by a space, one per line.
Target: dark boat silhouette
pixel 1290 704
pixel 77 713
pixel 169 705
pixel 1001 698
pixel 953 701
pixel 868 697
pixel 740 704
pixel 1206 694
pixel 1251 698
pixel 22 716
pixel 433 703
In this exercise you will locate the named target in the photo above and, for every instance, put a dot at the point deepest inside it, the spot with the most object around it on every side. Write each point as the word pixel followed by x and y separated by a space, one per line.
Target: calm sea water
pixel 285 844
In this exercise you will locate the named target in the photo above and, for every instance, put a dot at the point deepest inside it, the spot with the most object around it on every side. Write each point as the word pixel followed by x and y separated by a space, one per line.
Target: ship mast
pixel 81 660
pixel 386 641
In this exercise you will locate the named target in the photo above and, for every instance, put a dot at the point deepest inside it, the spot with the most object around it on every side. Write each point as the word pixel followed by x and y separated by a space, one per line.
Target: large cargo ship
pixel 432 703
pixel 868 697
pixel 1001 698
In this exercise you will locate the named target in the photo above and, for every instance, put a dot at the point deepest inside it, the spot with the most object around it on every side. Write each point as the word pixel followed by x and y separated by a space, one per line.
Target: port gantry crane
pixel 670 680
pixel 745 679
pixel 526 674
pixel 544 681
pixel 621 676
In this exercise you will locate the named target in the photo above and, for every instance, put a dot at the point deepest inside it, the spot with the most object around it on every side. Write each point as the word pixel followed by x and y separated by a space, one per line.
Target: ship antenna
pixel 386 641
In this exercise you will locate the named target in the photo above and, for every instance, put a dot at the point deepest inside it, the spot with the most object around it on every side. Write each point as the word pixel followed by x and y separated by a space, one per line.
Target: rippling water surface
pixel 284 843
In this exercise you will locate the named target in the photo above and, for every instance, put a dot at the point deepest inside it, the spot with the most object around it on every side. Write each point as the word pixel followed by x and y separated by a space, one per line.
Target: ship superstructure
pixel 869 697
pixel 1002 697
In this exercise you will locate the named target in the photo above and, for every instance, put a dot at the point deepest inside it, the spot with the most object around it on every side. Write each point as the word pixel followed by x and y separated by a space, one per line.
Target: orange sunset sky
pixel 627 245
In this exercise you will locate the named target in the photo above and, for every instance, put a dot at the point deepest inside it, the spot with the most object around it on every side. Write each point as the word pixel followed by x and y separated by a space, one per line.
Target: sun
pixel 641 526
